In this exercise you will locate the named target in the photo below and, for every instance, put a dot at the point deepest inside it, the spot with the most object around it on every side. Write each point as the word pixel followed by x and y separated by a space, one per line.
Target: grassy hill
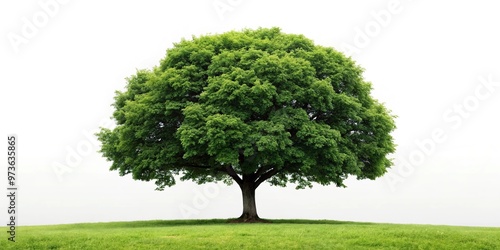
pixel 278 234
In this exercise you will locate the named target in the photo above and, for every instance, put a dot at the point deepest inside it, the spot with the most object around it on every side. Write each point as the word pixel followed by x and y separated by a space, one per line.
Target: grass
pixel 280 234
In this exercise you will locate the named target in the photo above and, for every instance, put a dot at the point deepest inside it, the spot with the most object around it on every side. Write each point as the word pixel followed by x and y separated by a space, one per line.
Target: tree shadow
pixel 202 222
pixel 317 222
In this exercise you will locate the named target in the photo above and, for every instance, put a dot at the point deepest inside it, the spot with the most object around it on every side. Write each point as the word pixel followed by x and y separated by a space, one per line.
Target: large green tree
pixel 249 106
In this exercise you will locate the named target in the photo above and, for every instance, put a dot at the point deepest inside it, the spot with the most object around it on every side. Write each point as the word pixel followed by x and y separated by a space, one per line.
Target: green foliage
pixel 256 101
pixel 280 234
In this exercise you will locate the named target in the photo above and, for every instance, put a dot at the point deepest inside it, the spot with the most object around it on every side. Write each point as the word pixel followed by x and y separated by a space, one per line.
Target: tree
pixel 249 106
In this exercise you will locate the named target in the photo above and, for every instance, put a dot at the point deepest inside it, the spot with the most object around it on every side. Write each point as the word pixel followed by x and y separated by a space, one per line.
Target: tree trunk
pixel 248 183
pixel 248 193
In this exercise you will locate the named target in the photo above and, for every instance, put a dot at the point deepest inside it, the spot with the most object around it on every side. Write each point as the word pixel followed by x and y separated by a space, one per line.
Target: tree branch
pixel 262 170
pixel 230 171
pixel 266 176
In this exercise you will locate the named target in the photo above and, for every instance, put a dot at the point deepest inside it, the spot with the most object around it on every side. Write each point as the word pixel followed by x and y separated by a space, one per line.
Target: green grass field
pixel 279 234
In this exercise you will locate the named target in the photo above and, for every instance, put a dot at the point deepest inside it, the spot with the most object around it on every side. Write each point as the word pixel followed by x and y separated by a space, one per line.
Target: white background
pixel 61 61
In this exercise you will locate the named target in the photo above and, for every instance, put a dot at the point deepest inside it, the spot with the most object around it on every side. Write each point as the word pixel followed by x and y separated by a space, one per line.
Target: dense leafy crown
pixel 255 100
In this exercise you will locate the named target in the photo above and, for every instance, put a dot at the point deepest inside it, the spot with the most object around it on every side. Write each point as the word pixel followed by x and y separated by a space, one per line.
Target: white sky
pixel 425 60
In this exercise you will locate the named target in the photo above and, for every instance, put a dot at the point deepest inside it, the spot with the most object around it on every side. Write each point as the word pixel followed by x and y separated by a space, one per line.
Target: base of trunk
pixel 243 219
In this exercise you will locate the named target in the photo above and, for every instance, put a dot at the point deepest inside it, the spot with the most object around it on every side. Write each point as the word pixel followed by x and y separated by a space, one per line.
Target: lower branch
pixel 266 176
pixel 230 171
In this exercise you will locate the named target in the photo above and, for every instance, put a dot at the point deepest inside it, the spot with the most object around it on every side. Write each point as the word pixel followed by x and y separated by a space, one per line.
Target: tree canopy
pixel 249 106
